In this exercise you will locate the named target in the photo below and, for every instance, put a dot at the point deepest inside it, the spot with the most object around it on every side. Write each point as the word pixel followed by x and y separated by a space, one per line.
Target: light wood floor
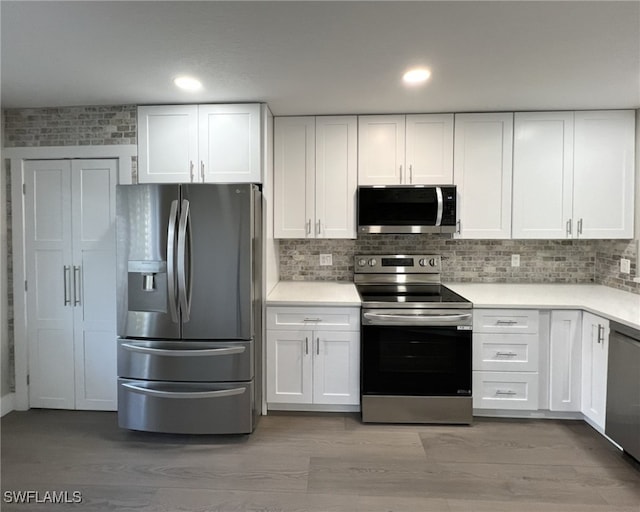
pixel 304 462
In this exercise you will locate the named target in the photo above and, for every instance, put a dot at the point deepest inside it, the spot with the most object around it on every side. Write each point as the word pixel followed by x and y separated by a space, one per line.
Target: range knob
pixel 422 262
pixel 372 262
pixel 432 262
pixel 362 262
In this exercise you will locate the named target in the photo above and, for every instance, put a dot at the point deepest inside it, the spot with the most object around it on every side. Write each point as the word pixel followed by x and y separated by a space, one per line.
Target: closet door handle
pixel 66 277
pixel 77 285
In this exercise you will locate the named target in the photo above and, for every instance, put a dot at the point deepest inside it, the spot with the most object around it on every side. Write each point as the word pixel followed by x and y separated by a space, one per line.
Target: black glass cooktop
pixel 398 294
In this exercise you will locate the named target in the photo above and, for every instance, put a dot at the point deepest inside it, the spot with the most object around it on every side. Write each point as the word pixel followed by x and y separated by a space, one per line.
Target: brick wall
pixel 541 261
pixel 70 126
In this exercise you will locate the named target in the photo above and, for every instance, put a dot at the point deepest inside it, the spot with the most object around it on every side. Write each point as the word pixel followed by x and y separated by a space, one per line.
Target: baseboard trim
pixel 7 403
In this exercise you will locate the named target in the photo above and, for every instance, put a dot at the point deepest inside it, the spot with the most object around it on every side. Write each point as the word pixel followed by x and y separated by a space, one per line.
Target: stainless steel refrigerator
pixel 189 307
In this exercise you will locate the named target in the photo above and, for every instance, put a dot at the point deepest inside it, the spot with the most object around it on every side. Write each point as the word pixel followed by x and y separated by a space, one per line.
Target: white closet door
pixel 49 278
pixel 93 282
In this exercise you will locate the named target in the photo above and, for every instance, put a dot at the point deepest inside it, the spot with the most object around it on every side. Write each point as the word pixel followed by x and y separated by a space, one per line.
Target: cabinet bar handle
pixel 67 284
pixel 569 227
pixel 580 226
pixel 458 226
pixel 191 170
pixel 312 320
pixel 411 174
pixel 400 175
pixel 306 345
pixel 318 226
pixel 76 285
pixel 318 346
pixel 202 171
pixel 600 333
pixel 506 322
pixel 309 227
pixel 506 354
pixel 501 392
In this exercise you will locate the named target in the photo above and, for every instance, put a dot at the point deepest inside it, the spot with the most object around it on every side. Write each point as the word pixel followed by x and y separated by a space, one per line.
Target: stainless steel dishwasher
pixel 623 389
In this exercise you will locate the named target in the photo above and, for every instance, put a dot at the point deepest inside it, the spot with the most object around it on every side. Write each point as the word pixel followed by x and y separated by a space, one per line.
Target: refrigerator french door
pixel 189 307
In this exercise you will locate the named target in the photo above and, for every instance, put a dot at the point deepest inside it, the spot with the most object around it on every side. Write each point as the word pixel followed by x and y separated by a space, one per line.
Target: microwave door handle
pixel 440 206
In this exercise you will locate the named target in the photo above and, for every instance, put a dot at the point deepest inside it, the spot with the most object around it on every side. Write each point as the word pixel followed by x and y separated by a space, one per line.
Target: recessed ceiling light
pixel 187 83
pixel 416 76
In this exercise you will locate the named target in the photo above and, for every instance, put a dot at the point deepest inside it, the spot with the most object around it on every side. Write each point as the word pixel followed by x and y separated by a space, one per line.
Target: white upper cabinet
pixel 603 176
pixel 573 174
pixel 199 143
pixel 315 177
pixel 483 146
pixel 405 150
pixel 542 174
pixel 167 143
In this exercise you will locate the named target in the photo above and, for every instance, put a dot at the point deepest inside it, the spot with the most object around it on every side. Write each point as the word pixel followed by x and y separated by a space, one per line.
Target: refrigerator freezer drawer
pixel 186 408
pixel 186 361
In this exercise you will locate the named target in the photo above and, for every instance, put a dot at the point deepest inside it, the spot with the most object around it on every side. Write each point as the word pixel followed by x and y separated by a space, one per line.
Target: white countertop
pixel 314 293
pixel 617 305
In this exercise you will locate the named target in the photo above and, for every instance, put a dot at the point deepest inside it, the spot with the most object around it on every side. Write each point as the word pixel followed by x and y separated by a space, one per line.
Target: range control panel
pixel 397 264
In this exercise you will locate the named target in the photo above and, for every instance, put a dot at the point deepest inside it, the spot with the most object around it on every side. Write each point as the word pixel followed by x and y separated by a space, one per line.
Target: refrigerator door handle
pixel 185 282
pixel 227 351
pixel 179 394
pixel 171 251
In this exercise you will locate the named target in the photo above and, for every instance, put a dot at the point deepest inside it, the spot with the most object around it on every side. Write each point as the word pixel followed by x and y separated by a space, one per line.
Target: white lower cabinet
pixel 313 356
pixel 565 357
pixel 505 359
pixel 595 355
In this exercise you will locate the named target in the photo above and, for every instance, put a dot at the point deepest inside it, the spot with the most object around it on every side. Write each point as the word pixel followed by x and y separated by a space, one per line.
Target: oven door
pixel 427 354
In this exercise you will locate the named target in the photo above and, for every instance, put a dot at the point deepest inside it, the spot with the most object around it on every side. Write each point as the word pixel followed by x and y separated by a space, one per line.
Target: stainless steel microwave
pixel 407 209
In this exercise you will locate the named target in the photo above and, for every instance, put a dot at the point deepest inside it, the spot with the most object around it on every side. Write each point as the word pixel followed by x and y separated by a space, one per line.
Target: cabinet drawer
pixel 341 319
pixel 505 390
pixel 505 320
pixel 505 352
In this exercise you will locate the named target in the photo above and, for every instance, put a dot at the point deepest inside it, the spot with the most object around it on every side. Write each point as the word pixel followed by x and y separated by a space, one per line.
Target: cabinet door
pixel 429 149
pixel 229 143
pixel 595 354
pixel 565 356
pixel 482 173
pixel 93 186
pixel 168 144
pixel 290 367
pixel 604 174
pixel 48 272
pixel 336 371
pixel 336 178
pixel 542 174
pixel 294 173
pixel 381 141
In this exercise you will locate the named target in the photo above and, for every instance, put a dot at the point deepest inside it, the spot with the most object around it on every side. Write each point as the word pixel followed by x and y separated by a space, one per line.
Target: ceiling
pixel 326 57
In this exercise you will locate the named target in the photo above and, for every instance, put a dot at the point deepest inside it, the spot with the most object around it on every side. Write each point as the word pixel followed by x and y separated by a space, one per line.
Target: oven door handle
pixel 408 319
